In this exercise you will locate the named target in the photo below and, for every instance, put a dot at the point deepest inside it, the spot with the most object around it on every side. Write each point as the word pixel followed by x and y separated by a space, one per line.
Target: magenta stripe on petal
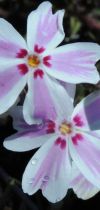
pixel 50 126
pixel 89 153
pixel 8 79
pixel 46 61
pixel 22 53
pixel 50 165
pixel 44 106
pixel 76 138
pixel 47 28
pixel 23 68
pixel 38 49
pixel 87 114
pixel 11 50
pixel 61 142
pixel 78 121
pixel 77 62
pixel 31 132
pixel 38 73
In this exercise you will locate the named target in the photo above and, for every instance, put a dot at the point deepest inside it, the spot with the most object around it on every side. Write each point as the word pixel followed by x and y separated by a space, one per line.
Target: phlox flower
pixel 37 62
pixel 73 137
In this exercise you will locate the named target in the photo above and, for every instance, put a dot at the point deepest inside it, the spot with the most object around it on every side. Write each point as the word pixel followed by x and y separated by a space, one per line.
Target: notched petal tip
pixel 45 5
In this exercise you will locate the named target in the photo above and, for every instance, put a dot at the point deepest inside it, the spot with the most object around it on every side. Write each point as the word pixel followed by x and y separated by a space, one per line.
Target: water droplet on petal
pixel 30 182
pixel 46 178
pixel 34 161
pixel 58 199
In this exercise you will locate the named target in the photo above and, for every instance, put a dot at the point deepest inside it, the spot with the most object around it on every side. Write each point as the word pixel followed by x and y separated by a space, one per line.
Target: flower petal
pixel 75 63
pixel 44 28
pixel 46 99
pixel 87 113
pixel 48 169
pixel 10 40
pixel 31 137
pixel 81 186
pixel 16 112
pixel 11 84
pixel 8 49
pixel 85 152
pixel 70 88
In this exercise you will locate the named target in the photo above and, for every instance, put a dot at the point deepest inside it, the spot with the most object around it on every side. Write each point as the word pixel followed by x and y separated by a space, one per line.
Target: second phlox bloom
pixel 37 61
pixel 72 138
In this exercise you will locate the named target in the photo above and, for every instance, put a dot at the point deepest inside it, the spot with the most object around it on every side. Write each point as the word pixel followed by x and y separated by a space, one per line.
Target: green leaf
pixel 75 25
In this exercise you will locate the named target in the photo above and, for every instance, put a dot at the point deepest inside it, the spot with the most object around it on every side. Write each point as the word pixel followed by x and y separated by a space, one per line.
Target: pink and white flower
pixel 74 136
pixel 34 63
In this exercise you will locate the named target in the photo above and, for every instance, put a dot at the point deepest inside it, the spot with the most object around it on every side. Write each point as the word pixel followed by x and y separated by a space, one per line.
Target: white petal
pixel 85 152
pixel 86 114
pixel 8 33
pixel 75 63
pixel 12 83
pixel 48 170
pixel 29 138
pixel 46 99
pixel 44 28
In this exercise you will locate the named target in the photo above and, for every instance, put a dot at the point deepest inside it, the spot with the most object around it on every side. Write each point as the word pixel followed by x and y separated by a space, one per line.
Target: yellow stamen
pixel 65 128
pixel 33 61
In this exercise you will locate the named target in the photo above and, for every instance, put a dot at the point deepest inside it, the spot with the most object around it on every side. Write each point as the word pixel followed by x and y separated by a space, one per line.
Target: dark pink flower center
pixel 76 138
pixel 50 127
pixel 33 61
pixel 60 142
pixel 38 49
pixel 23 68
pixel 38 73
pixel 22 53
pixel 46 61
pixel 78 121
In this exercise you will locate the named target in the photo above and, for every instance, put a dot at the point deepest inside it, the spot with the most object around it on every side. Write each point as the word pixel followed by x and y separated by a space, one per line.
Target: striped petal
pixel 75 63
pixel 46 99
pixel 44 29
pixel 30 137
pixel 86 115
pixel 85 152
pixel 48 169
pixel 12 82
pixel 12 44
